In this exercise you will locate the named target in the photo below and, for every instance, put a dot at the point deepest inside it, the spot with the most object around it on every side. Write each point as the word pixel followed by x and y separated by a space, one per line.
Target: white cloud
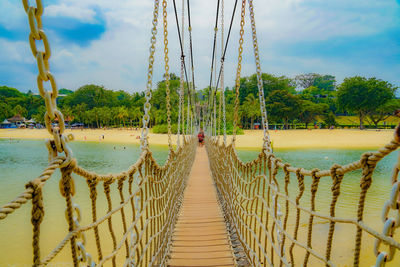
pixel 76 12
pixel 119 59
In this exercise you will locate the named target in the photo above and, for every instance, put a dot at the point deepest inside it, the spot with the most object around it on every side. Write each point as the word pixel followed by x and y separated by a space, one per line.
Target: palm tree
pixel 122 114
pixel 251 108
pixel 135 114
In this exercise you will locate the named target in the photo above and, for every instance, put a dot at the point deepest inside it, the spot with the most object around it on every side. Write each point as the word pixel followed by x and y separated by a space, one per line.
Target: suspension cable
pixel 238 71
pixel 181 112
pixel 225 48
pixel 182 51
pixel 266 139
pixel 222 95
pixel 213 57
pixel 149 84
pixel 191 59
pixel 227 41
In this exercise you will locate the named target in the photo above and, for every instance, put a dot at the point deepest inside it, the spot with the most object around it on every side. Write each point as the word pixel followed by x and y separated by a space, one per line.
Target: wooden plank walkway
pixel 200 237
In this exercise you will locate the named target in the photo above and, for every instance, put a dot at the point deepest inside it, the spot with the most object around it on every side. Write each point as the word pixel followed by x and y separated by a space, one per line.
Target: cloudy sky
pixel 107 42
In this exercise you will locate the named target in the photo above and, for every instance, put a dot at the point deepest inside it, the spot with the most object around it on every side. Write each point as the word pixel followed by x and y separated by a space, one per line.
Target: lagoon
pixel 23 160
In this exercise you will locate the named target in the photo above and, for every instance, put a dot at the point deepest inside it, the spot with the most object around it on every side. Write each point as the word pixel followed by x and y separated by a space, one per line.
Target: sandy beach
pixel 252 139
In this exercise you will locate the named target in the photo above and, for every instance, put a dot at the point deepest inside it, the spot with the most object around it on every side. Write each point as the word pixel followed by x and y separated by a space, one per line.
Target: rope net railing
pixel 283 216
pixel 138 230
pixel 132 225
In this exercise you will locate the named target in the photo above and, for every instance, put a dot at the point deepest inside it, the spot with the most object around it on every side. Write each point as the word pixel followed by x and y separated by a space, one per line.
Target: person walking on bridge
pixel 201 137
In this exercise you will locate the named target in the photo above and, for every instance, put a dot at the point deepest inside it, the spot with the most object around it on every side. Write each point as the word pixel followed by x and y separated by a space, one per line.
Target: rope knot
pixel 368 167
pixel 37 201
pixel 67 185
pixel 315 178
pixel 287 173
pixel 300 179
pixel 276 168
pixel 107 184
pixel 336 179
pixel 269 160
pixel 92 183
pixel 121 182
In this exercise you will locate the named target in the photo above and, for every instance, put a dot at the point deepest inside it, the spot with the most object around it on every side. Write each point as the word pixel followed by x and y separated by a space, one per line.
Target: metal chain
pixel 188 114
pixel 389 224
pixel 191 69
pixel 181 112
pixel 215 115
pixel 59 143
pixel 191 123
pixel 166 67
pixel 222 94
pixel 215 96
pixel 147 106
pixel 238 71
pixel 183 59
pixel 83 256
pixel 267 139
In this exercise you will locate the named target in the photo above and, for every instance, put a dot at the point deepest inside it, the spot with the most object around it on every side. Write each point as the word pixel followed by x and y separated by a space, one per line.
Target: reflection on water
pixel 23 160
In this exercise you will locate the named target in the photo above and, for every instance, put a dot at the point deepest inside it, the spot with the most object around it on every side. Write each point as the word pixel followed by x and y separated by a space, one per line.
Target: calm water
pixel 22 160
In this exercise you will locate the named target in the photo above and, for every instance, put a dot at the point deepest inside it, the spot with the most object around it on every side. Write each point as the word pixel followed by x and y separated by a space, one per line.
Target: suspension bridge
pixel 204 206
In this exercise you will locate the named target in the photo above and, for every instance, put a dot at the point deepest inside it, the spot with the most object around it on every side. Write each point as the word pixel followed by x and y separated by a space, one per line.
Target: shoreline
pixel 251 140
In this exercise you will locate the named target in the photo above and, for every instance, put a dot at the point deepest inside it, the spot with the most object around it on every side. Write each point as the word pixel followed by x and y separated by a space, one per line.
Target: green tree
pixel 104 114
pixel 271 83
pixel 6 111
pixel 20 110
pixel 251 108
pixel 122 114
pixel 310 110
pixel 364 96
pixel 306 80
pixel 283 106
pixel 136 114
pixel 64 91
pixel 9 92
pixel 383 112
pixel 79 112
pixel 330 119
pixel 39 116
pixel 92 96
pixel 67 112
pixel 325 82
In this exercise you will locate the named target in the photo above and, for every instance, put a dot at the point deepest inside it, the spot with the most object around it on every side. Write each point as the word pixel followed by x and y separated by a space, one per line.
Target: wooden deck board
pixel 200 236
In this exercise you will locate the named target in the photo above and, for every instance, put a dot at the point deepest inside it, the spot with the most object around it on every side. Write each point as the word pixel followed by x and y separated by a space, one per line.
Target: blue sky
pixel 106 42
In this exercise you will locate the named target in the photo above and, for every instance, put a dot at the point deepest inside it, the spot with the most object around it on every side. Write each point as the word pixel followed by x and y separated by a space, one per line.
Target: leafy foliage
pixel 364 96
pixel 318 100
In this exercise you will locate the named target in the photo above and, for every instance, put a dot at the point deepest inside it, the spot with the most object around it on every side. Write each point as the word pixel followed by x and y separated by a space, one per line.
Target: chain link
pixel 188 114
pixel 182 70
pixel 181 112
pixel 215 95
pixel 267 139
pixel 166 67
pixel 222 91
pixel 238 71
pixel 83 256
pixel 389 224
pixel 59 143
pixel 147 106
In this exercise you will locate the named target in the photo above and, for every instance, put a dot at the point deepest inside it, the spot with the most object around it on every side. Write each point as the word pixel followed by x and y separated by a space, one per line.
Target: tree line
pixel 303 99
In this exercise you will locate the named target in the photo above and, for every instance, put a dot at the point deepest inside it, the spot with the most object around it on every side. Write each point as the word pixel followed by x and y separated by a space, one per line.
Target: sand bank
pixel 320 138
